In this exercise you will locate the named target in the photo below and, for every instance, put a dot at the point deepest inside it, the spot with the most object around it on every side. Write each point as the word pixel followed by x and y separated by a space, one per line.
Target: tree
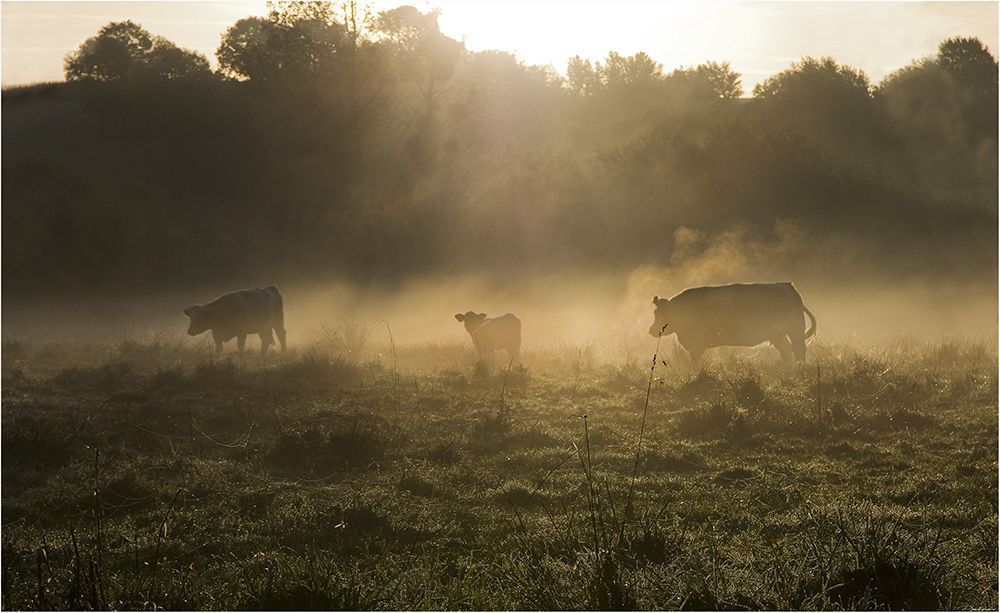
pixel 429 57
pixel 617 72
pixel 812 78
pixel 944 109
pixel 245 50
pixel 297 38
pixel 638 69
pixel 167 60
pixel 125 50
pixel 428 54
pixel 582 78
pixel 829 104
pixel 110 55
pixel 970 63
pixel 712 80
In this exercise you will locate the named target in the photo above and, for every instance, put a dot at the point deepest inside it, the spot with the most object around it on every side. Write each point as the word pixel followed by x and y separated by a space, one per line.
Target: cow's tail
pixel 812 329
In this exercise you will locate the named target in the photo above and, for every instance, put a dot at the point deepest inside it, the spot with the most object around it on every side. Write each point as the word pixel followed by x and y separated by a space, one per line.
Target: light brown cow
pixel 493 334
pixel 249 311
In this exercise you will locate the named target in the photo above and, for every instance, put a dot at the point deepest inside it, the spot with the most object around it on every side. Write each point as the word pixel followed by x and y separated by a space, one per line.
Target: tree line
pixel 334 142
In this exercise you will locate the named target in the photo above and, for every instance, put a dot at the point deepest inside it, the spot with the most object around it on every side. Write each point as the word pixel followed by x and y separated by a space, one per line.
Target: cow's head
pixel 471 320
pixel 661 317
pixel 200 319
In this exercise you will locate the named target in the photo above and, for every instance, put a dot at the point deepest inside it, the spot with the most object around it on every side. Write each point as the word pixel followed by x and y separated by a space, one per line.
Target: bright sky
pixel 758 39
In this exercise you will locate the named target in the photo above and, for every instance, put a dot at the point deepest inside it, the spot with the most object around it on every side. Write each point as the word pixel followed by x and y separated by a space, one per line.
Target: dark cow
pixel 249 311
pixel 739 315
pixel 493 334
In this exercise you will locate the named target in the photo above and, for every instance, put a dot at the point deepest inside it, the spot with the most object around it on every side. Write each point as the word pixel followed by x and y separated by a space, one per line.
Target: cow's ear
pixel 188 311
pixel 460 317
pixel 656 300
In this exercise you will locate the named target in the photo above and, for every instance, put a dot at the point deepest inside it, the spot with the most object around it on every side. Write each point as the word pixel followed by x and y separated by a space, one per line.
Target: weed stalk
pixel 642 431
pixel 395 370
pixel 161 533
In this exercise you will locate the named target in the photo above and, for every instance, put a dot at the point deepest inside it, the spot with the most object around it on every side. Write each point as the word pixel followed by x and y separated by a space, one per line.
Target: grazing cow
pixel 249 311
pixel 493 334
pixel 737 315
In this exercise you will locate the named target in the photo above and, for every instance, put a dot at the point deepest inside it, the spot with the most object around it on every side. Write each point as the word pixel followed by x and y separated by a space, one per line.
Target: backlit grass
pixel 152 474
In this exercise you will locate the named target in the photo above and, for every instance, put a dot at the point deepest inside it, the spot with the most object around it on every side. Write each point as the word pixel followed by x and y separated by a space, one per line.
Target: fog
pixel 608 313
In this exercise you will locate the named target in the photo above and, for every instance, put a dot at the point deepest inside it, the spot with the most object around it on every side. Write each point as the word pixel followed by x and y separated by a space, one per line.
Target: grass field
pixel 150 473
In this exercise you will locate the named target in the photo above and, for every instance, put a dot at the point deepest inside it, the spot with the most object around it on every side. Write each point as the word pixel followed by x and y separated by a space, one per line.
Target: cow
pixel 491 334
pixel 742 315
pixel 237 314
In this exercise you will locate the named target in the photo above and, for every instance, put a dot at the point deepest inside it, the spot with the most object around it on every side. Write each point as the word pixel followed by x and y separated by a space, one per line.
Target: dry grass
pixel 344 475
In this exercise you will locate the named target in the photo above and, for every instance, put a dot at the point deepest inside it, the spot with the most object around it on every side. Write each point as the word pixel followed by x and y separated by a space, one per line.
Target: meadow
pixel 359 472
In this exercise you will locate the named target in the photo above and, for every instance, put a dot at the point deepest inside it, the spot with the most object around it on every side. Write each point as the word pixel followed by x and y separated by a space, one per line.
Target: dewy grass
pixel 286 482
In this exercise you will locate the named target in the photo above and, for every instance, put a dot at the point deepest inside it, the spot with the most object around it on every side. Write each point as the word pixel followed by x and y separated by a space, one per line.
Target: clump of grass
pixel 306 583
pixel 320 452
pixel 14 350
pixel 417 486
pixel 713 420
pixel 445 453
pixel 107 378
pixel 314 370
pixel 348 339
pixel 35 443
pixel 493 428
pixel 215 374
pixel 749 393
pixel 890 569
pixel 705 385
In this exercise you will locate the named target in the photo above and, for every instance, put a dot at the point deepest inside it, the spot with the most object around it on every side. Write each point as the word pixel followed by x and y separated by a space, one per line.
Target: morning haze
pixel 384 177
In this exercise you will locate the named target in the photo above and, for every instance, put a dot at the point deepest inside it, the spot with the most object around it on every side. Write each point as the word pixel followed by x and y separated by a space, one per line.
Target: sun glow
pixel 553 32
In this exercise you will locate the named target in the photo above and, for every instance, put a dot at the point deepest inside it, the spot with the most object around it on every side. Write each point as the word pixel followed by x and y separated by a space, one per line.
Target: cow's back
pixel 738 314
pixel 249 310
pixel 502 332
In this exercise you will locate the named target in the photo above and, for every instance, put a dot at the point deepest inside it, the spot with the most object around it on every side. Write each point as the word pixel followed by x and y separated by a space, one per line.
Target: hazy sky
pixel 758 39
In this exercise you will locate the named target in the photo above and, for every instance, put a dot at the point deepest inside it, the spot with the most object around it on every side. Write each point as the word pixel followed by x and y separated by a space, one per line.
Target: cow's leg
pixel 280 331
pixel 784 348
pixel 241 341
pixel 266 340
pixel 218 342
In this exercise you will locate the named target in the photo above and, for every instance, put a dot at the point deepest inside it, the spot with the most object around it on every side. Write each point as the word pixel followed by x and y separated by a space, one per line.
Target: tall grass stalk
pixel 642 431
pixel 503 386
pixel 395 370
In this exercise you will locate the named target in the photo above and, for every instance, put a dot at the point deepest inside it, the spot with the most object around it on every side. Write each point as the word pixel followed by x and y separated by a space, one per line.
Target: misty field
pixel 361 472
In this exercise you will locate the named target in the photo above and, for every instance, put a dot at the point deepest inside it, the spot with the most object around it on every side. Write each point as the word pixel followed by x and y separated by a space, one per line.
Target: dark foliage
pixel 346 154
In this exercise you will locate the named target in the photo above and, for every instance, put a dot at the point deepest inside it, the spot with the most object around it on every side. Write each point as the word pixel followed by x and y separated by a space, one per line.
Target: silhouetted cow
pixel 249 311
pixel 493 334
pixel 738 315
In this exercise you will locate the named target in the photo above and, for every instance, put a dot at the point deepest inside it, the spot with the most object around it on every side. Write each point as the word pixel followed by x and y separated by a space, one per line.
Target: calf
pixel 493 334
pixel 249 311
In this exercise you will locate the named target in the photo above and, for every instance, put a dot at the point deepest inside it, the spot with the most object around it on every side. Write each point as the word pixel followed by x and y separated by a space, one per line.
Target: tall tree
pixel 970 63
pixel 829 103
pixel 812 78
pixel 296 42
pixel 429 57
pixel 945 110
pixel 619 71
pixel 582 78
pixel 125 50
